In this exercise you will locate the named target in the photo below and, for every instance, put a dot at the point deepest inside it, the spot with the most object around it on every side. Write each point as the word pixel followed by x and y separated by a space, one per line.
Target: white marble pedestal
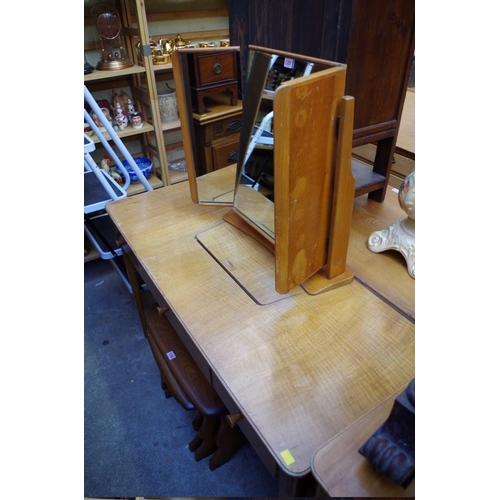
pixel 400 235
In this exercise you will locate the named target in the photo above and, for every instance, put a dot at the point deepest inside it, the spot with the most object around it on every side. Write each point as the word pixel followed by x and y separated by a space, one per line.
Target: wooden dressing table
pixel 300 369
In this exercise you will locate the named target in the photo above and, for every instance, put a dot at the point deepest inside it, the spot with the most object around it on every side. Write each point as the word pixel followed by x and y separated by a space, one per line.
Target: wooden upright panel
pixel 305 112
pixel 343 193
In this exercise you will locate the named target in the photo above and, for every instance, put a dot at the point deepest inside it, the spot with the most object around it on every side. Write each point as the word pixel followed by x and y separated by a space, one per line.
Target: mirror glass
pixel 254 187
pixel 207 82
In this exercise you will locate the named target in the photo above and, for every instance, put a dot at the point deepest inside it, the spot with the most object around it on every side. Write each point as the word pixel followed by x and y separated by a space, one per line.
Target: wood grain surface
pixel 300 370
pixel 384 272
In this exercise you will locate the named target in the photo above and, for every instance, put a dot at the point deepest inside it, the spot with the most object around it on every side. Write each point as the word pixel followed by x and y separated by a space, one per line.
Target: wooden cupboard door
pixel 225 153
pixel 380 53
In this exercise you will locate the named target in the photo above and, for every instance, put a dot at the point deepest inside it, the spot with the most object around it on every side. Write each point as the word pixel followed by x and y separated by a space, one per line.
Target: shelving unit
pixel 143 21
pixel 150 135
pixel 106 74
pixel 100 234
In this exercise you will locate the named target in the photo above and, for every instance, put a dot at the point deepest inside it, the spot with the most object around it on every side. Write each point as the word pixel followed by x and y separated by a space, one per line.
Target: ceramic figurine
pixel 122 99
pixel 136 120
pixel 120 118
pixel 98 122
pixel 130 109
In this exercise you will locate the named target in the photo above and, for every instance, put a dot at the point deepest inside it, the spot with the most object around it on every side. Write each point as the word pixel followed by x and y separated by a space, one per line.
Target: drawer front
pixel 216 68
pixel 222 128
pixel 225 153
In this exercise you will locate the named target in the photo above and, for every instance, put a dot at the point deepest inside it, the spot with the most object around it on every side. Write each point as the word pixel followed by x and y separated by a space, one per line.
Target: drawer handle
pixel 233 156
pixel 233 126
pixel 162 310
pixel 217 68
pixel 232 419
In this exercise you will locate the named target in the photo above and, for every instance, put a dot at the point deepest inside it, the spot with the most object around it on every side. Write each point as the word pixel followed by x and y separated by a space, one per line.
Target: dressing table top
pixel 301 369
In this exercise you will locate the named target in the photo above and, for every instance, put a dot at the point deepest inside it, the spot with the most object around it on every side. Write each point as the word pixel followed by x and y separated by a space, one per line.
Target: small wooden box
pixel 213 72
pixel 213 68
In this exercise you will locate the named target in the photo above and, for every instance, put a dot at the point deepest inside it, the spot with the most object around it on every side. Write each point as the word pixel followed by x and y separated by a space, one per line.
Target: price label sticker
pixel 287 457
pixel 171 355
pixel 289 63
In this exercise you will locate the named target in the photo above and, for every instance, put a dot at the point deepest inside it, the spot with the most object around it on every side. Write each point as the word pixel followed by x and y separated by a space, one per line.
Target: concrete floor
pixel 136 440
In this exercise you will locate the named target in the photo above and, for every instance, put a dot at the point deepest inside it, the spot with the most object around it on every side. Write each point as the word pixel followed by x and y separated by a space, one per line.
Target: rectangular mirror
pixel 207 82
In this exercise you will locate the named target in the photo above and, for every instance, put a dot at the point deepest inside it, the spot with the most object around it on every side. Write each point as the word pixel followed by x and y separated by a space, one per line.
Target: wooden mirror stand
pixel 314 185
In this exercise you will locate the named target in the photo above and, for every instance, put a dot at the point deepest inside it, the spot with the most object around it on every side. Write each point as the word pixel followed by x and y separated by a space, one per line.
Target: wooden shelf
pixel 137 187
pixel 218 109
pixel 173 125
pixel 366 179
pixel 176 176
pixel 127 132
pixel 162 67
pixel 104 74
pixel 93 254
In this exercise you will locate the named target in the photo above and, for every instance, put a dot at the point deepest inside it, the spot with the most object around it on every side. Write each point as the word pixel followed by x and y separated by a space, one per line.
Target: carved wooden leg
pixel 207 433
pixel 234 95
pixel 201 103
pixel 198 420
pixel 195 443
pixel 228 440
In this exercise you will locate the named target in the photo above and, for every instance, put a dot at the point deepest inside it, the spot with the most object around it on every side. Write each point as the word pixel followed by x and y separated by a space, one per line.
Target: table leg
pixel 382 165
